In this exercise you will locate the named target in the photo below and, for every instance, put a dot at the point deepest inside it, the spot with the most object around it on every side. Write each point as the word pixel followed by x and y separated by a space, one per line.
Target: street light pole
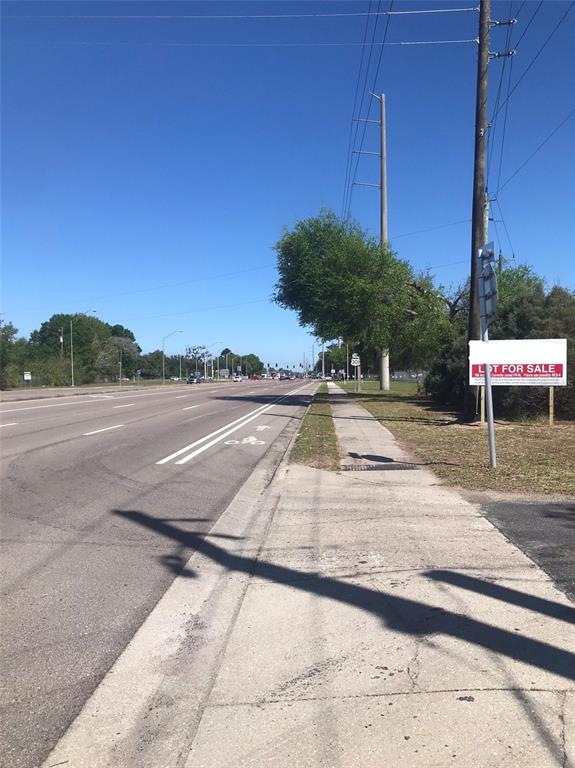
pixel 164 354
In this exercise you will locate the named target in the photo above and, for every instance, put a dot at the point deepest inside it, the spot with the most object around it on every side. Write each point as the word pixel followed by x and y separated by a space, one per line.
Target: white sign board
pixel 355 360
pixel 519 362
pixel 27 376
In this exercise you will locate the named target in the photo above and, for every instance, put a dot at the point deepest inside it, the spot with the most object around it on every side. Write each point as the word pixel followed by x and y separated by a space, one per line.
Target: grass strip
pixel 532 457
pixel 316 443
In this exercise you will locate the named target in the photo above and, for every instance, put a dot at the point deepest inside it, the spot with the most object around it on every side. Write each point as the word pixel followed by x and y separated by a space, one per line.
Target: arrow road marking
pixel 262 427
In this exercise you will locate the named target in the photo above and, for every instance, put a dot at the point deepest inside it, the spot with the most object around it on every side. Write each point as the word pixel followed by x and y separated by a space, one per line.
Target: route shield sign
pixel 355 360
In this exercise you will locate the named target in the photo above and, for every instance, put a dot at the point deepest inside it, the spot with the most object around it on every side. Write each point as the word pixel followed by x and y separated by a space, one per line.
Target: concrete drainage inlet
pixel 377 467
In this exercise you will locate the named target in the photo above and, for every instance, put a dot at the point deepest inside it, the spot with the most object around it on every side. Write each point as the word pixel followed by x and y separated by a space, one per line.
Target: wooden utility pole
pixel 384 353
pixel 480 215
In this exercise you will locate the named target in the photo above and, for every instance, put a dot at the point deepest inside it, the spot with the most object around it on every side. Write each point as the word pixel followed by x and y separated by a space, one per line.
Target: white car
pixel 237 377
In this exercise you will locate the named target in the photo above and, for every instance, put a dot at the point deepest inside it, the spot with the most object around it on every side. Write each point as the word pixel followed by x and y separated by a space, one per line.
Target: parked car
pixel 193 379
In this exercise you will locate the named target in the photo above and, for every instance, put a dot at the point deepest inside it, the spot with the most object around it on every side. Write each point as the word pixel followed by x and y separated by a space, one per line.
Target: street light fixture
pixel 72 343
pixel 164 354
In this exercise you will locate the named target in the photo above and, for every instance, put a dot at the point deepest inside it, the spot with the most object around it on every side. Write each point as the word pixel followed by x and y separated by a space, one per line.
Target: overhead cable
pixel 539 52
pixel 430 229
pixel 241 45
pixel 228 17
pixel 370 103
pixel 535 151
pixel 351 125
pixel 363 93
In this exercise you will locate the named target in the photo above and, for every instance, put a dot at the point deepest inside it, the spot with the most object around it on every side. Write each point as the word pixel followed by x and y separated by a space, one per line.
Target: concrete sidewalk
pixel 368 617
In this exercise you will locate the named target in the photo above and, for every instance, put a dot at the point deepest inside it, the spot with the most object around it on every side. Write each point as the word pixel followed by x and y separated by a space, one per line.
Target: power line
pixel 84 43
pixel 199 309
pixel 530 22
pixel 431 229
pixel 371 47
pixel 351 125
pixel 524 163
pixel 369 107
pixel 492 125
pixel 505 227
pixel 504 125
pixel 539 52
pixel 173 285
pixel 227 17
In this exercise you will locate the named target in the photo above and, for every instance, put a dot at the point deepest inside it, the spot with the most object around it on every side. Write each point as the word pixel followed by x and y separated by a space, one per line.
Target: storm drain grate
pixel 375 467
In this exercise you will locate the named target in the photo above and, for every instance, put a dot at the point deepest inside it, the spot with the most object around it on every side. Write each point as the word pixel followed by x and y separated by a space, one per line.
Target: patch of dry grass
pixel 531 457
pixel 316 443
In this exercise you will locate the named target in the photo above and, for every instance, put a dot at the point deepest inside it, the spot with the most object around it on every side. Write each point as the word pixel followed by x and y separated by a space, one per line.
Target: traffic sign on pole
pixel 355 361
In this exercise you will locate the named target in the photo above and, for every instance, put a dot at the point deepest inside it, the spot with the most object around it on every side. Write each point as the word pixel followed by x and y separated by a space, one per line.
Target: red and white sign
pixel 519 362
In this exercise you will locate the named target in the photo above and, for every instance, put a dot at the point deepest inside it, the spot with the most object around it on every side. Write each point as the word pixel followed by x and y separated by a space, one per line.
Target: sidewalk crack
pixel 562 703
pixel 413 666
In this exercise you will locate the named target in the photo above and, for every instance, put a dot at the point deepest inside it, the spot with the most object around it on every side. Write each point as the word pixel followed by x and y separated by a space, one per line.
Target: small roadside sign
pixel 355 361
pixel 27 376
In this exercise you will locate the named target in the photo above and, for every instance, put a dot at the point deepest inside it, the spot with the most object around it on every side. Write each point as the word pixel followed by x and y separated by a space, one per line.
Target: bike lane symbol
pixel 246 441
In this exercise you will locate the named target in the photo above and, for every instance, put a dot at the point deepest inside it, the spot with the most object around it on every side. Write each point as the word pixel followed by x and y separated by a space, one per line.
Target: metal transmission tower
pixel 382 186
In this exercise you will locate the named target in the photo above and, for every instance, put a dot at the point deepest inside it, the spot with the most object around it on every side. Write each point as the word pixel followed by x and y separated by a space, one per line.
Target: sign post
pixel 356 363
pixel 551 405
pixel 487 307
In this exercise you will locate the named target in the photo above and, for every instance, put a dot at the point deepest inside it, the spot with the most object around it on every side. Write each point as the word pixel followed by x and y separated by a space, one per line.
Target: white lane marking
pixel 99 399
pixel 203 439
pixel 12 424
pixel 126 405
pixel 262 427
pixel 102 397
pixel 95 432
pixel 242 420
pixel 205 447
pixel 189 407
pixel 179 397
pixel 245 421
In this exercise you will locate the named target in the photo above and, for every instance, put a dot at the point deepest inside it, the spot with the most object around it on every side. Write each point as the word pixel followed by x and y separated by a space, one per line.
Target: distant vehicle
pixel 237 377
pixel 174 378
pixel 193 379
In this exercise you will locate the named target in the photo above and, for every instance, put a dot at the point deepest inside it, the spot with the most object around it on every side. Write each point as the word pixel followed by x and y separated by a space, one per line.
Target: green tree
pixel 12 355
pixel 343 285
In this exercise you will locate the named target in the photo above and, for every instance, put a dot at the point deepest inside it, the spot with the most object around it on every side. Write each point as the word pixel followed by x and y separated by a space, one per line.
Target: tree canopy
pixel 342 284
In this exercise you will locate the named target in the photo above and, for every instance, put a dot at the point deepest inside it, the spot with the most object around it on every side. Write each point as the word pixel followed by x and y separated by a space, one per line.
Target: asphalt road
pixel 78 576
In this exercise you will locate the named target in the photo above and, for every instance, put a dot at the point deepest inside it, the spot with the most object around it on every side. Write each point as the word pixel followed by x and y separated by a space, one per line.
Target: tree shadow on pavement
pixel 406 615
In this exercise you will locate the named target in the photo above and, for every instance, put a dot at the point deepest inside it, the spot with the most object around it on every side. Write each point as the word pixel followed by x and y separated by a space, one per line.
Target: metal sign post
pixel 487 307
pixel 356 363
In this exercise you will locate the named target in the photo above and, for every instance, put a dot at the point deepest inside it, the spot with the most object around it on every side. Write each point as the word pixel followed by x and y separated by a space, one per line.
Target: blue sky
pixel 148 176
